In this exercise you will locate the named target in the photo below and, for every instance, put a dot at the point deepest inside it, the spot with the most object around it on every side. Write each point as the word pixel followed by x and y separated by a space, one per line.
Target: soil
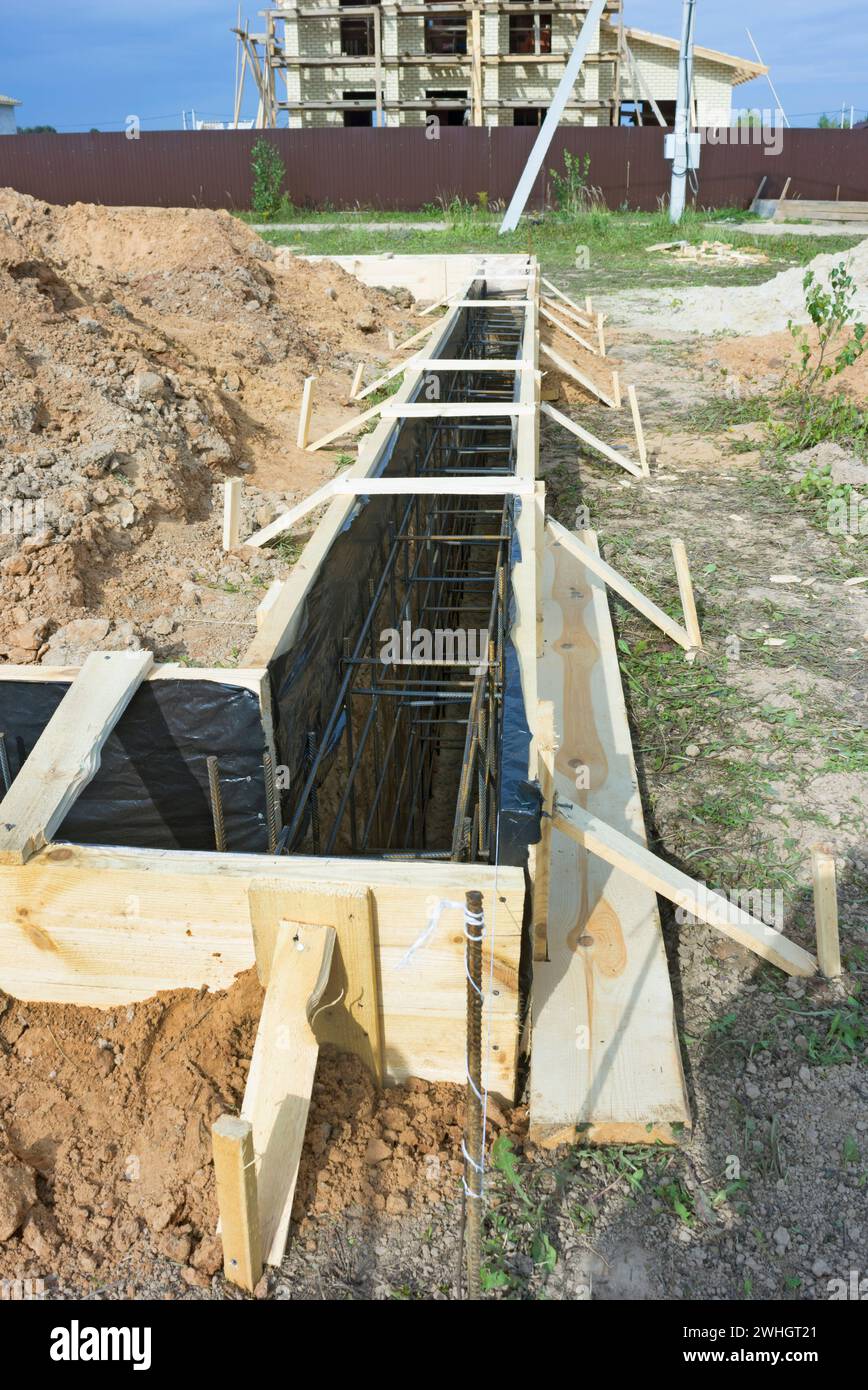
pixel 755 309
pixel 105 1147
pixel 145 355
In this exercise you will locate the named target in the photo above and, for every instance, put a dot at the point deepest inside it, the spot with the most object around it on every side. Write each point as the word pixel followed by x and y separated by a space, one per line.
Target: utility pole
pixel 681 160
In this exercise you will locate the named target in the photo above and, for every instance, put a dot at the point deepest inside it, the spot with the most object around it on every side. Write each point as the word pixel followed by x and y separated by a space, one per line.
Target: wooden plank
pixel 235 1174
pixel 685 589
pixel 109 927
pixel 826 912
pixel 565 328
pixel 268 602
pixel 231 513
pixel 550 285
pixel 591 560
pixel 545 737
pixel 455 410
pixel 566 312
pixel 66 756
pixel 280 1080
pixel 570 369
pixel 287 519
pixel 619 850
pixel 346 428
pixel 605 1062
pixel 354 1023
pixel 590 439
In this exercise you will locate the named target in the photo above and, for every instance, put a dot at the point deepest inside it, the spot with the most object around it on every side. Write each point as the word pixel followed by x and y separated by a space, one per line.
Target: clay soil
pixel 145 355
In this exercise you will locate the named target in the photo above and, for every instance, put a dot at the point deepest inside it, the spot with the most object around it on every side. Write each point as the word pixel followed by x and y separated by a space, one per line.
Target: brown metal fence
pixel 402 168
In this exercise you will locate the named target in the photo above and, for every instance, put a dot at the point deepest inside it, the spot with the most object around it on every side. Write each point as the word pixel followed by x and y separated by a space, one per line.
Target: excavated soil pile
pixel 105 1150
pixel 145 355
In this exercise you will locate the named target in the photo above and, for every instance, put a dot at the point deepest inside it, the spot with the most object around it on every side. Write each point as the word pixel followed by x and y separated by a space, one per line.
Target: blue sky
pixel 94 62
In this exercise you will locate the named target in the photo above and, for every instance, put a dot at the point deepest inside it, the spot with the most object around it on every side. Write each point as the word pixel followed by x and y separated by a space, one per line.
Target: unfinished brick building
pixel 480 62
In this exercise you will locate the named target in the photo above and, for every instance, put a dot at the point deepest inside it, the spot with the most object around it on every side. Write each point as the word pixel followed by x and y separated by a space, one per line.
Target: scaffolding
pixel 351 38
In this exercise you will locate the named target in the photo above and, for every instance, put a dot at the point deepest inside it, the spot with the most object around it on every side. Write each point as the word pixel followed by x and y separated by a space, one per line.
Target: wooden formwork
pixel 332 937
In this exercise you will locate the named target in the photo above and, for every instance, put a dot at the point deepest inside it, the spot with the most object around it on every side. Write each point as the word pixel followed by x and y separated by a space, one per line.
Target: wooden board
pixel 280 1080
pixel 66 756
pixel 605 1060
pixel 820 210
pixel 106 927
pixel 353 1023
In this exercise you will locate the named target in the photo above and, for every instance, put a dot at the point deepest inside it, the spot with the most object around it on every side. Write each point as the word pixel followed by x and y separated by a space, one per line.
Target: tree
pixel 37 130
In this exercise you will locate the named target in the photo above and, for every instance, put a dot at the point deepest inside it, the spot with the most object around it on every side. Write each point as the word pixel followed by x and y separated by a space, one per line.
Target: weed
pixel 269 172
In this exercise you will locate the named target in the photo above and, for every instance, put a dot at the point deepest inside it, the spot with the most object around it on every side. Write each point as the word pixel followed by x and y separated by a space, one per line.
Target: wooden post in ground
pixel 640 433
pixel 304 413
pixel 616 391
pixel 826 912
pixel 235 1172
pixel 357 380
pixel 545 734
pixel 685 589
pixel 601 334
pixel 231 513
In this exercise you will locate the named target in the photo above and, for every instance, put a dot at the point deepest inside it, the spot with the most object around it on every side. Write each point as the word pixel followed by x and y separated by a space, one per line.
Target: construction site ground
pixel 747 758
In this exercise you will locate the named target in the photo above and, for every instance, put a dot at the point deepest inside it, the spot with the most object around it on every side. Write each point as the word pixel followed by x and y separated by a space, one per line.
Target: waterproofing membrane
pixel 151 789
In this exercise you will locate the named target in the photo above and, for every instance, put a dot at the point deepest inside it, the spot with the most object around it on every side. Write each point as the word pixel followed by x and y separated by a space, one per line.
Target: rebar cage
pixel 405 764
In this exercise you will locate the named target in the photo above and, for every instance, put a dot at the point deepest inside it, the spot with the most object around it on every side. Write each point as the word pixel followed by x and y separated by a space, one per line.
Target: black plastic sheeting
pixel 151 790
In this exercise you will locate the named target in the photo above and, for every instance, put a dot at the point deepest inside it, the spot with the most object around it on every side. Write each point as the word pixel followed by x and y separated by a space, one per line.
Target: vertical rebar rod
pixel 272 813
pixel 474 928
pixel 216 803
pixel 5 772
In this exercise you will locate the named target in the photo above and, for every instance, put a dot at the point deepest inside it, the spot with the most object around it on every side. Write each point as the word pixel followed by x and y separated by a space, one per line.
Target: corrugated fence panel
pixel 404 168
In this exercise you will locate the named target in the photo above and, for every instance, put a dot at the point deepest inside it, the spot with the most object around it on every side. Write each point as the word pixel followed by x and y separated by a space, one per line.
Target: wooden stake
pixel 685 589
pixel 640 433
pixel 237 1202
pixel 391 339
pixel 231 513
pixel 545 736
pixel 616 391
pixel 601 334
pixel 357 380
pixel 304 413
pixel 589 308
pixel 826 912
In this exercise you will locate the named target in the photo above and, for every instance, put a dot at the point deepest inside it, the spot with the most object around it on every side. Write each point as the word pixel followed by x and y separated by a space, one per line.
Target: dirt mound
pixel 764 308
pixel 105 1147
pixel 146 354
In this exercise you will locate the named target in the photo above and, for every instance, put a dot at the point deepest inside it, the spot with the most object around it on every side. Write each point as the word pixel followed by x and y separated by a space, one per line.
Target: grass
pixel 617 243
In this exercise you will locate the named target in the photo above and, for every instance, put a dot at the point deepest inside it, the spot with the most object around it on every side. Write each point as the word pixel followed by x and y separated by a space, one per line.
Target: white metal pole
pixel 553 116
pixel 678 191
